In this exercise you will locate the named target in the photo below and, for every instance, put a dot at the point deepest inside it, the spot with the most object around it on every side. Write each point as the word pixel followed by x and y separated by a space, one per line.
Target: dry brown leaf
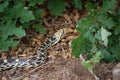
pixel 4 55
pixel 66 16
pixel 77 16
pixel 38 36
pixel 70 30
pixel 46 22
pixel 45 13
pixel 70 38
pixel 26 78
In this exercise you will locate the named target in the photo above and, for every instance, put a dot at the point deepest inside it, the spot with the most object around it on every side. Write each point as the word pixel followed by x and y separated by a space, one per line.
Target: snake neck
pixel 42 49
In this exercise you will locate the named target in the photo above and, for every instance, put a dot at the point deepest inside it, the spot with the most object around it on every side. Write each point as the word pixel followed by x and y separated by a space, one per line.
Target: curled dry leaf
pixel 26 78
pixel 46 22
pixel 75 15
pixel 70 38
pixel 70 30
pixel 67 17
pixel 4 56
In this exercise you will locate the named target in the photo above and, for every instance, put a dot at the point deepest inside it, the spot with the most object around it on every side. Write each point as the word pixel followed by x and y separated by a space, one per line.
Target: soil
pixel 62 65
pixel 60 69
pixel 104 70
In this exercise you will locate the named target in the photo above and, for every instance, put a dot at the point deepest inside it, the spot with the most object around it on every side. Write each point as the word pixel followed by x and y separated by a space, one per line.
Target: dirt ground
pixel 60 69
pixel 104 70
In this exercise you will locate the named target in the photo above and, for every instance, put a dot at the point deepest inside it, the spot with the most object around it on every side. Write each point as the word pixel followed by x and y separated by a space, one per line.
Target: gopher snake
pixel 41 54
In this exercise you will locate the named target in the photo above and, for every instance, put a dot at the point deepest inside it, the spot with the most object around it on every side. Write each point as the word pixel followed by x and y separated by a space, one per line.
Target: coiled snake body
pixel 41 54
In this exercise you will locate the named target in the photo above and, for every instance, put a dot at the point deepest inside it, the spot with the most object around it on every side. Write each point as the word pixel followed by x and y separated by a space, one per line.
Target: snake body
pixel 41 54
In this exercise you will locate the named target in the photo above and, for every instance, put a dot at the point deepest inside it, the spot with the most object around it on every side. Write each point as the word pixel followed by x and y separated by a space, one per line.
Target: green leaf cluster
pixel 78 4
pixel 15 17
pixel 18 15
pixel 89 64
pixel 101 28
pixel 80 45
pixel 34 2
pixel 56 7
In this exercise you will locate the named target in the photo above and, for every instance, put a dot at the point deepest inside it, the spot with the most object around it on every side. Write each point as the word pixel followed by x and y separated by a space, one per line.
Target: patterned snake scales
pixel 41 54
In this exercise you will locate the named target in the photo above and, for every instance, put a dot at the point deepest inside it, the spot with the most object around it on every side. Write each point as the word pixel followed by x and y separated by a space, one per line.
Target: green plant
pixel 56 10
pixel 78 4
pixel 99 31
pixel 89 64
pixel 16 16
pixel 14 12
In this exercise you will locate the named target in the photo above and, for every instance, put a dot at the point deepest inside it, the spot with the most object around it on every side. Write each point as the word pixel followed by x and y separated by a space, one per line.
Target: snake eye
pixel 53 40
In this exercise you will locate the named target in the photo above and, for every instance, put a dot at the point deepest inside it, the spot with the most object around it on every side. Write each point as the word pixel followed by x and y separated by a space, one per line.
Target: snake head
pixel 59 35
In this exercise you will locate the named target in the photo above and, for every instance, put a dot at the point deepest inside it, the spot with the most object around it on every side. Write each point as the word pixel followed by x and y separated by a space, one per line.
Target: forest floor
pixel 61 65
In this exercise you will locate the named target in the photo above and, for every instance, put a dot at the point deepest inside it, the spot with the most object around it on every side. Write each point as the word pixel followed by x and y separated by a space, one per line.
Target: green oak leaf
pixel 78 4
pixel 107 22
pixel 2 6
pixel 38 14
pixel 95 59
pixel 56 7
pixel 109 5
pixel 106 56
pixel 11 29
pixel 105 34
pixel 40 28
pixel 26 15
pixel 87 64
pixel 80 45
pixel 4 45
pixel 98 35
pixel 19 11
pixel 33 2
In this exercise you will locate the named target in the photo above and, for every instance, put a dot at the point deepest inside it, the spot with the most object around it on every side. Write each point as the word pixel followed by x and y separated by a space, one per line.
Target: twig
pixel 82 59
